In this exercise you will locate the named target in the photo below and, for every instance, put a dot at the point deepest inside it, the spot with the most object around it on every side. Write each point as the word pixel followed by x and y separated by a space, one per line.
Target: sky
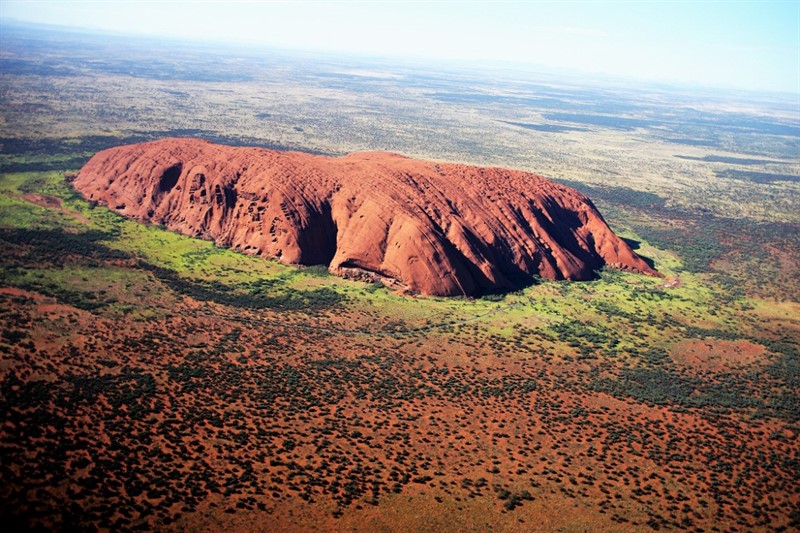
pixel 746 45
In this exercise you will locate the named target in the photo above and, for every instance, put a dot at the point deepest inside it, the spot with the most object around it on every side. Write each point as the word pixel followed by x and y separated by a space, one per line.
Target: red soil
pixel 216 418
pixel 51 202
pixel 717 355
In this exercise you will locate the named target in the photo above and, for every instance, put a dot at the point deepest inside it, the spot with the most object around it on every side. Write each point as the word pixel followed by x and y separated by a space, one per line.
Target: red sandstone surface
pixel 426 227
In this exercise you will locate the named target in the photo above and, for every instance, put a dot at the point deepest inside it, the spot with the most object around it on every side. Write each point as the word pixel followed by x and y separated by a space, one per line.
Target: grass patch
pixel 197 268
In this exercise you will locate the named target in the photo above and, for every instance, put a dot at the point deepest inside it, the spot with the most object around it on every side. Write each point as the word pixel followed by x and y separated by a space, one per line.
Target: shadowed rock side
pixel 430 228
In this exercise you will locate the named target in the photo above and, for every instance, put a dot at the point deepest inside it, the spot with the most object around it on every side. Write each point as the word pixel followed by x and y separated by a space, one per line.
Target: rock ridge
pixel 426 227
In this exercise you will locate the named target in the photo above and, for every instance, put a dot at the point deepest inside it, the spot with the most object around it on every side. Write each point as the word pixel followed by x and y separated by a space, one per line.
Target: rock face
pixel 426 227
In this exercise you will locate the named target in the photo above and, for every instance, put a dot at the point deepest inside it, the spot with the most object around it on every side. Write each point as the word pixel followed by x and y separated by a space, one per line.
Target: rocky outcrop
pixel 427 227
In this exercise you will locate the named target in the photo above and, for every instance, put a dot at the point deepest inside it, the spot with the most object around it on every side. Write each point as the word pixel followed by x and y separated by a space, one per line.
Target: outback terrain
pixel 150 380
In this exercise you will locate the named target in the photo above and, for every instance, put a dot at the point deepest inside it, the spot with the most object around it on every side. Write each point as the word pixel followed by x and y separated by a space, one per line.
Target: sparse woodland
pixel 149 381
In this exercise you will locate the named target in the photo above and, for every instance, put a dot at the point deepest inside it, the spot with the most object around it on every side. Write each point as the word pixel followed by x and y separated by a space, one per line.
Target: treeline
pixel 41 247
pixel 251 296
pixel 661 386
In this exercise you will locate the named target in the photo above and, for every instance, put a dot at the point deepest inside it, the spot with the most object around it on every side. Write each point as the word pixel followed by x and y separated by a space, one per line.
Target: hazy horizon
pixel 744 45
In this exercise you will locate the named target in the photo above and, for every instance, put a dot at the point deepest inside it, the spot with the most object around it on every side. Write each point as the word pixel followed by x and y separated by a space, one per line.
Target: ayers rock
pixel 426 227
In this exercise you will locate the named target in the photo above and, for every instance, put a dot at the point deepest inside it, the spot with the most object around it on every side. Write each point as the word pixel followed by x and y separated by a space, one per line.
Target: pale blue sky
pixel 751 45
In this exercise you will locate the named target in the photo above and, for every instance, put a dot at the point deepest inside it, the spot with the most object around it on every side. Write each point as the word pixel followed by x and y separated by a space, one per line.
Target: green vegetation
pixel 205 326
pixel 586 318
pixel 153 381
